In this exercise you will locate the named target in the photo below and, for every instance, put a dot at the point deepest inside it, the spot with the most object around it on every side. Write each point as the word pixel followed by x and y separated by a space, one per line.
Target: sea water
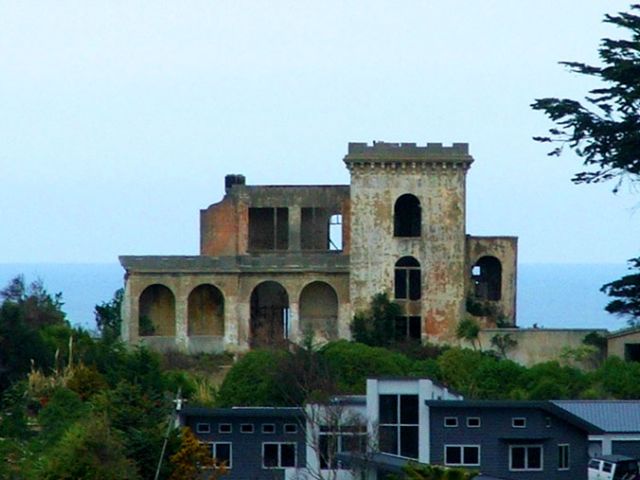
pixel 549 295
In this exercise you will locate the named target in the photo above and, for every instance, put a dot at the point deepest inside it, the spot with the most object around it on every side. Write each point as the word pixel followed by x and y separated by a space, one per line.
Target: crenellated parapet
pixel 408 156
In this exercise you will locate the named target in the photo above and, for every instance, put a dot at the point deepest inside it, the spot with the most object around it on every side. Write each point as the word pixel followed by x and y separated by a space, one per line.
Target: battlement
pixel 386 152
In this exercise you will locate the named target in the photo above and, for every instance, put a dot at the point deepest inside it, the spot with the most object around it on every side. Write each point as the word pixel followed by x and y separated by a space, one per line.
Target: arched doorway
pixel 269 314
pixel 157 309
pixel 206 311
pixel 319 311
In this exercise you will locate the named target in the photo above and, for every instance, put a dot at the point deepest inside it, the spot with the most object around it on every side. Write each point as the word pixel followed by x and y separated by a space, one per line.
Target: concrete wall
pixel 505 249
pixel 380 174
pixel 536 345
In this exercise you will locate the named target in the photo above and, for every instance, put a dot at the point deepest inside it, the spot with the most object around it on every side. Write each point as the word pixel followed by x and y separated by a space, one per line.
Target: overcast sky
pixel 119 120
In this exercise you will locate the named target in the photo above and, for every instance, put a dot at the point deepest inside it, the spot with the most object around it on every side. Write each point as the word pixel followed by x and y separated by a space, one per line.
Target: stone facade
pixel 278 262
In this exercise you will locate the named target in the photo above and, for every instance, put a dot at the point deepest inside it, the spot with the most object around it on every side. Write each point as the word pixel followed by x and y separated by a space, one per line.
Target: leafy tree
pixel 89 449
pixel 604 131
pixel 376 326
pixel 108 316
pixel 193 461
pixel 627 293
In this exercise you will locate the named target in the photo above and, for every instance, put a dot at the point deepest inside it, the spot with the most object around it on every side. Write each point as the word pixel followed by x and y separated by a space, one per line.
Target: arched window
pixel 269 314
pixel 408 283
pixel 157 308
pixel 319 311
pixel 407 216
pixel 486 275
pixel 206 311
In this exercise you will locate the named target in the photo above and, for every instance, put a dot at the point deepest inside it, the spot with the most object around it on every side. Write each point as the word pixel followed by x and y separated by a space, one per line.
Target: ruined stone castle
pixel 277 262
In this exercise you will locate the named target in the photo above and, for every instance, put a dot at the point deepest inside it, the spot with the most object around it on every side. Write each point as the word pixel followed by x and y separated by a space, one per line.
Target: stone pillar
pixel 294 228
pixel 182 306
pixel 295 335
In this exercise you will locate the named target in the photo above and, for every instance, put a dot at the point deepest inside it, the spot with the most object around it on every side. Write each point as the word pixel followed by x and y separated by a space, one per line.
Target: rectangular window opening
pixel 519 422
pixel 563 457
pixel 224 428
pixel 203 428
pixel 473 422
pixel 221 451
pixel 246 428
pixel 450 422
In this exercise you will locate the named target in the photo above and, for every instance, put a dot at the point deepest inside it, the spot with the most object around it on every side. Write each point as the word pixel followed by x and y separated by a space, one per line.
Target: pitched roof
pixel 612 416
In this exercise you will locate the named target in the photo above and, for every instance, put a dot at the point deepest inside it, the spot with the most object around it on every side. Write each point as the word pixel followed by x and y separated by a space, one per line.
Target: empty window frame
pixel 221 451
pixel 473 422
pixel 408 279
pixel 225 428
pixel 333 440
pixel 268 428
pixel 563 456
pixel 462 455
pixel 486 275
pixel 408 328
pixel 203 428
pixel 398 427
pixel 278 455
pixel 290 428
pixel 450 422
pixel 246 428
pixel 335 232
pixel 525 458
pixel 268 228
pixel 519 422
pixel 407 216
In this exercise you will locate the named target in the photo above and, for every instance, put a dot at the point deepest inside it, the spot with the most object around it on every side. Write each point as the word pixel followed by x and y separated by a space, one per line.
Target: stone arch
pixel 407 216
pixel 269 314
pixel 408 279
pixel 157 307
pixel 486 275
pixel 205 311
pixel 319 311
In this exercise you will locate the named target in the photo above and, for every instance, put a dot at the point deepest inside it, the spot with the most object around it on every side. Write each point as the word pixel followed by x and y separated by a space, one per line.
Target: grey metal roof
pixel 612 416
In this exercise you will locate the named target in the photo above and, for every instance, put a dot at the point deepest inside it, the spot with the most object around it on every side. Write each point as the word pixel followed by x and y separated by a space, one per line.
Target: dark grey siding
pixel 626 447
pixel 247 447
pixel 496 434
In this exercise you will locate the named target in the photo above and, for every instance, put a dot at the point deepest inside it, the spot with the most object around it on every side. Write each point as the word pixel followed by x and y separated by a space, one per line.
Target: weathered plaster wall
pixel 376 184
pixel 536 345
pixel 504 249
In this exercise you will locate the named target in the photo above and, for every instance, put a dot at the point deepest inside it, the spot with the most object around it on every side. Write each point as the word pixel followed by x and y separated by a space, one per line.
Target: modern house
pixel 619 421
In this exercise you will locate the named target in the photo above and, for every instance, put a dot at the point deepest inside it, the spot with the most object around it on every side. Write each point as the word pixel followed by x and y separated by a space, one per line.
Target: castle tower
pixel 408 232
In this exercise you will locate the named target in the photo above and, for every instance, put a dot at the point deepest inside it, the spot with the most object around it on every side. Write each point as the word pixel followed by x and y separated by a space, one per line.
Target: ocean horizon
pixel 549 295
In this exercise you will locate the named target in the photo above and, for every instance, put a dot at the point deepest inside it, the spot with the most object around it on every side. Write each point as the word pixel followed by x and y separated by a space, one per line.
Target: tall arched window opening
pixel 407 216
pixel 408 279
pixel 486 275
pixel 157 308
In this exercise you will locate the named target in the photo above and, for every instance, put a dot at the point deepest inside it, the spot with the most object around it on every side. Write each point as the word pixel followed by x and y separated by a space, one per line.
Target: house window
pixel 278 455
pixel 407 281
pixel 335 232
pixel 333 440
pixel 290 428
pixel 408 328
pixel 246 428
pixel 450 422
pixel 224 428
pixel 221 451
pixel 563 457
pixel 268 228
pixel 203 428
pixel 519 422
pixel 407 216
pixel 473 422
pixel 398 429
pixel 268 428
pixel 462 455
pixel 525 457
